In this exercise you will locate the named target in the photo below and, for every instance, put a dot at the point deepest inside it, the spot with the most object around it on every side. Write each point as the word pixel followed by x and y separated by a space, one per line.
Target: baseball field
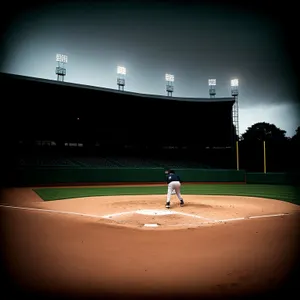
pixel 118 241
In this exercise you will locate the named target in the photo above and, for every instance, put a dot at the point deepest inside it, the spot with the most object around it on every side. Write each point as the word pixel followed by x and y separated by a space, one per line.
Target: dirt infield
pixel 214 246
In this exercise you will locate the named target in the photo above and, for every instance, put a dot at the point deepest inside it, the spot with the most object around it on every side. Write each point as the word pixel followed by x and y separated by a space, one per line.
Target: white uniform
pixel 174 186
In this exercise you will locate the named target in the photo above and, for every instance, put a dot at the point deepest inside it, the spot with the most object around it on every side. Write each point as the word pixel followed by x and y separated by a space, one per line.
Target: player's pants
pixel 174 185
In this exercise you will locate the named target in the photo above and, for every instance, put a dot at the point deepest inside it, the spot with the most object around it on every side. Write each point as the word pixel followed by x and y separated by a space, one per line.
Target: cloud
pixel 284 116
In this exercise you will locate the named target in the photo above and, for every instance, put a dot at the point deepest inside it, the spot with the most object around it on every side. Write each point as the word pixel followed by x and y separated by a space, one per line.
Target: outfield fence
pixel 59 176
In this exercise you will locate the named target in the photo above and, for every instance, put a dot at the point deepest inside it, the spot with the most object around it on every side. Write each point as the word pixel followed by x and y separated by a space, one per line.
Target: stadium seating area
pixel 176 163
pixel 132 162
pixel 91 162
pixel 106 162
pixel 45 162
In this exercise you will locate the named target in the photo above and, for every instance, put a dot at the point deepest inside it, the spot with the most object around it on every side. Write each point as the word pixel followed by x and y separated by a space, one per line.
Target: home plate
pixel 151 225
pixel 154 212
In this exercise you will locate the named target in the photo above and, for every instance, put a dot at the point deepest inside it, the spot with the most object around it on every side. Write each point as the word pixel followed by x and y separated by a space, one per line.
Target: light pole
pixel 265 157
pixel 60 70
pixel 169 87
pixel 212 87
pixel 121 71
pixel 264 137
pixel 235 116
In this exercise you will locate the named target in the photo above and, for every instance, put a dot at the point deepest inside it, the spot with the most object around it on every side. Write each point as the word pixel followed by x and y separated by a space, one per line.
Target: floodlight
pixel 234 87
pixel 212 82
pixel 169 77
pixel 121 77
pixel 60 69
pixel 121 70
pixel 61 58
pixel 235 82
pixel 212 87
pixel 235 110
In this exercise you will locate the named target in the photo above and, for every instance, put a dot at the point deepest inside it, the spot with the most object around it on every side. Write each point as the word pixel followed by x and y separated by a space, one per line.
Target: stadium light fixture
pixel 62 58
pixel 212 87
pixel 234 87
pixel 60 70
pixel 169 78
pixel 121 71
pixel 169 87
pixel 235 115
pixel 212 82
pixel 235 82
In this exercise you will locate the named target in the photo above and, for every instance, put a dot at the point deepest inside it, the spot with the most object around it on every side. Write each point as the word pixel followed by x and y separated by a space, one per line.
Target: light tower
pixel 60 70
pixel 235 111
pixel 121 71
pixel 235 116
pixel 212 87
pixel 169 87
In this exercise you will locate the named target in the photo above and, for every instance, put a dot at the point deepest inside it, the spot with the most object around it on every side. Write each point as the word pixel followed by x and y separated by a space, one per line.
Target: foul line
pixel 193 216
pixel 253 217
pixel 51 211
pixel 119 214
pixel 131 212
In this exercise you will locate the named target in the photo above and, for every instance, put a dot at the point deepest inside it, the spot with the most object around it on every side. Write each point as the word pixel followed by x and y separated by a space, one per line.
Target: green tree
pixel 264 132
pixel 296 137
pixel 295 150
pixel 277 148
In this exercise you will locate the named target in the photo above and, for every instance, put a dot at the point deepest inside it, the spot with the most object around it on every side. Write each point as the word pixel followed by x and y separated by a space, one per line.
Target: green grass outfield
pixel 279 192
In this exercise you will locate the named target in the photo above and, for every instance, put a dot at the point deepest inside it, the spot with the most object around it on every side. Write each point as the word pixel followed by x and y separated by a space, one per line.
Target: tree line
pixel 265 142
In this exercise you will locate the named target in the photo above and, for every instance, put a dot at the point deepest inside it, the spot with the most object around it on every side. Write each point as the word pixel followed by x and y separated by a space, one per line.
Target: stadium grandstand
pixel 60 124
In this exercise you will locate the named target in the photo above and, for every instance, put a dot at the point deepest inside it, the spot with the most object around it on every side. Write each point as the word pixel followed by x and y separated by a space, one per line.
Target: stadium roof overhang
pixel 14 77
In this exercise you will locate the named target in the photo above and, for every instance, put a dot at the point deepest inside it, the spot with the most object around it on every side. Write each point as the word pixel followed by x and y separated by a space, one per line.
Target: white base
pixel 150 225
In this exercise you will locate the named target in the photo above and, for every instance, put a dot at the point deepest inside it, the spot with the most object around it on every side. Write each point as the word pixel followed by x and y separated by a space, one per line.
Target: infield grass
pixel 279 192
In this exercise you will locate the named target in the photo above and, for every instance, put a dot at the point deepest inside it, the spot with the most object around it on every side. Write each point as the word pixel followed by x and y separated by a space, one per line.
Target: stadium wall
pixel 77 176
pixel 290 178
pixel 54 176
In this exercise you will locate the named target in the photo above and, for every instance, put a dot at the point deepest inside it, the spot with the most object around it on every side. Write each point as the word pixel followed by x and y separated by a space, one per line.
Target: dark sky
pixel 193 40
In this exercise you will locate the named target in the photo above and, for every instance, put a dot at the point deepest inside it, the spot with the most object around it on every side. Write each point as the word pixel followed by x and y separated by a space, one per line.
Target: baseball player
pixel 174 184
